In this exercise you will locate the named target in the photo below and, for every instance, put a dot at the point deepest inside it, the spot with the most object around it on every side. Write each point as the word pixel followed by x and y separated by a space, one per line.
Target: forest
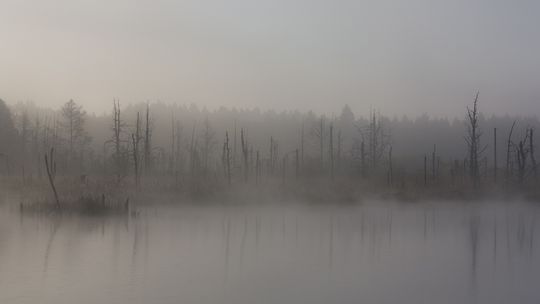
pixel 57 157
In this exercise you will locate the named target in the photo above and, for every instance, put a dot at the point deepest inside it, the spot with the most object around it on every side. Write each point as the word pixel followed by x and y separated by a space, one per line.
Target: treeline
pixel 186 147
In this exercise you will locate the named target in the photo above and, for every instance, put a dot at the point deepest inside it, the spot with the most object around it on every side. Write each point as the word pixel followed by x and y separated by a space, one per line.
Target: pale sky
pixel 401 57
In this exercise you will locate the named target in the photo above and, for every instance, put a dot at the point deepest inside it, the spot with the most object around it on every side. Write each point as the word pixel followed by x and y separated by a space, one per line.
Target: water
pixel 374 253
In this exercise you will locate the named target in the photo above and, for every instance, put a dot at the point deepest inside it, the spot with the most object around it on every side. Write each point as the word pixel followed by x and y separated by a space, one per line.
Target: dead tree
pixel 226 158
pixel 135 159
pixel 178 155
pixel 522 153
pixel 302 145
pixel 25 126
pixel 284 167
pixel 273 155
pixel 509 146
pixel 438 166
pixel 473 141
pixel 373 140
pixel 50 165
pixel 173 143
pixel 495 165
pixel 251 160
pixel 363 158
pixel 531 151
pixel 331 150
pixel 73 124
pixel 318 133
pixel 148 142
pixel 359 154
pixel 339 148
pixel 118 157
pixel 243 139
pixel 136 138
pixel 36 144
pixel 176 166
pixel 192 151
pixel 208 144
pixel 378 142
pixel 390 168
pixel 234 147
pixel 425 170
pixel 257 169
pixel 433 163
pixel 321 141
pixel 297 164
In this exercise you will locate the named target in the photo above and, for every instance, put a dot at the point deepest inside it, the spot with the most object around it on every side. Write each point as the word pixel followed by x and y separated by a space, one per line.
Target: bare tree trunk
pixel 331 151
pixel 390 169
pixel 117 129
pixel 373 143
pixel 257 169
pixel 284 168
pixel 297 163
pixel 302 146
pixel 243 140
pixel 173 145
pixel 227 154
pixel 321 138
pixel 24 141
pixel 521 160
pixel 135 141
pixel 495 169
pixel 251 160
pixel 147 143
pixel 438 166
pixel 179 166
pixel 433 167
pixel 531 151
pixel 271 162
pixel 473 141
pixel 51 173
pixel 135 160
pixel 234 148
pixel 224 158
pixel 192 153
pixel 339 143
pixel 425 170
pixel 363 158
pixel 508 150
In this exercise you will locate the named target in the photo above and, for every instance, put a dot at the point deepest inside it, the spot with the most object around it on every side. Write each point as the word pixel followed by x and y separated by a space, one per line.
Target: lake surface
pixel 371 253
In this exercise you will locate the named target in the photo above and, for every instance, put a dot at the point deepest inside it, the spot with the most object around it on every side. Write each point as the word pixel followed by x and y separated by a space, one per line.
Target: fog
pixel 293 253
pixel 399 57
pixel 269 151
pixel 161 203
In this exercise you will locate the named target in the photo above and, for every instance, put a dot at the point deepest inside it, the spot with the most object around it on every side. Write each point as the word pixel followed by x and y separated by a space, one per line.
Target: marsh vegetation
pixel 228 206
pixel 69 157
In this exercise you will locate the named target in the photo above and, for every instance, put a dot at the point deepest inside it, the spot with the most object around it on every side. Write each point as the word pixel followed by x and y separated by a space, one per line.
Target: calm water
pixel 375 253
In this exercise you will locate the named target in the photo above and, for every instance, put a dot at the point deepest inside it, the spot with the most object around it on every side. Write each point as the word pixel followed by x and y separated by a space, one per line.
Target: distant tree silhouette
pixel 8 136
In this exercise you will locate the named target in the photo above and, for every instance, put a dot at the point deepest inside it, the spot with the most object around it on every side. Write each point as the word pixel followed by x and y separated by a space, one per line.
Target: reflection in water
pixel 531 239
pixel 495 242
pixel 227 243
pixel 474 226
pixel 331 245
pixel 375 253
pixel 56 224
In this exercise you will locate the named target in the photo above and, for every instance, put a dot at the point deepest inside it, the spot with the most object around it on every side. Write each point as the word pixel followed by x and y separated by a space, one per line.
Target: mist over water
pixel 377 252
pixel 269 152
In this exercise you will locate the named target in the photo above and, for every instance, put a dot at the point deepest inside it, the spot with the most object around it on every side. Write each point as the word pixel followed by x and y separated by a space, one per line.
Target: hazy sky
pixel 402 57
